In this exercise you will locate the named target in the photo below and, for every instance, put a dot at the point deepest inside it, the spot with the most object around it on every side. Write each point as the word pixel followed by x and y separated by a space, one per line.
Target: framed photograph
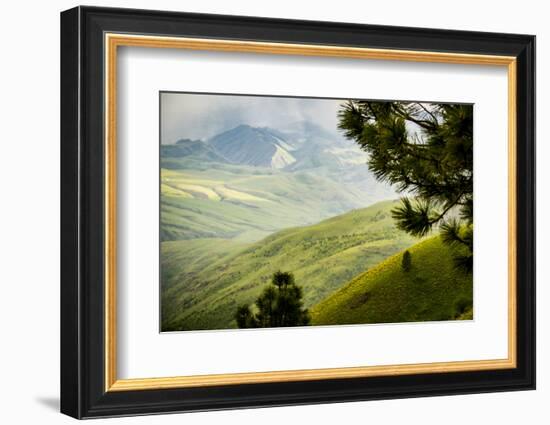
pixel 261 212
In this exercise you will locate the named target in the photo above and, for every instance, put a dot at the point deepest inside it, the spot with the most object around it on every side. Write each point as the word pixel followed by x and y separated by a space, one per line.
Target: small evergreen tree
pixel 279 304
pixel 406 261
pixel 245 318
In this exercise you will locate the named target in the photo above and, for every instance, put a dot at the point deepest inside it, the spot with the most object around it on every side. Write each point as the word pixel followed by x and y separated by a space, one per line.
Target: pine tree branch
pixel 448 208
pixel 427 111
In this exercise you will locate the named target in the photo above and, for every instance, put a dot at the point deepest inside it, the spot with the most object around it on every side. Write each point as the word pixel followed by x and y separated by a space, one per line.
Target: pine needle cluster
pixel 425 151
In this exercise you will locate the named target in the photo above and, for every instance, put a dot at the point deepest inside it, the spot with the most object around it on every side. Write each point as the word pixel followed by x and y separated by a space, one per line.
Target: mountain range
pixel 248 182
pixel 299 146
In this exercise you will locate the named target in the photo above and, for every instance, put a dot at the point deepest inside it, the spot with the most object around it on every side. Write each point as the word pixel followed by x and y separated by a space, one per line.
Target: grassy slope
pixel 202 290
pixel 195 254
pixel 431 290
pixel 214 200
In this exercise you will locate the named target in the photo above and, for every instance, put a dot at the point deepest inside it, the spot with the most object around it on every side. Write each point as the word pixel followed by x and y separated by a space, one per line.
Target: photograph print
pixel 289 211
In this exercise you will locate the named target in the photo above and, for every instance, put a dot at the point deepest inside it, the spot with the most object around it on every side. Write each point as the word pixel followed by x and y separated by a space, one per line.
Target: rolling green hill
pixel 247 182
pixel 216 200
pixel 431 290
pixel 205 280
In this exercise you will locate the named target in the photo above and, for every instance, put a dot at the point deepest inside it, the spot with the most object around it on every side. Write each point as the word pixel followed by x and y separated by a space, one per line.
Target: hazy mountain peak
pixel 261 147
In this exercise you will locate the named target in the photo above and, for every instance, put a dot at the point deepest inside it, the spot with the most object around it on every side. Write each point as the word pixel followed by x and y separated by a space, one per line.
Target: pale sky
pixel 201 116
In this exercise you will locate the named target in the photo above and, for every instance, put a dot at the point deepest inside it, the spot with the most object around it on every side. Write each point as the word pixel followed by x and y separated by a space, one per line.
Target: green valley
pixel 219 200
pixel 204 280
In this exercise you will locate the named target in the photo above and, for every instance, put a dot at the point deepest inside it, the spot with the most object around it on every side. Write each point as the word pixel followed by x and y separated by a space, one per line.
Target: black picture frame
pixel 83 392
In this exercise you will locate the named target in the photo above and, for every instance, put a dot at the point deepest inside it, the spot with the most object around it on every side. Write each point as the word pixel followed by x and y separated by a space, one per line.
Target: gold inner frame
pixel 113 41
